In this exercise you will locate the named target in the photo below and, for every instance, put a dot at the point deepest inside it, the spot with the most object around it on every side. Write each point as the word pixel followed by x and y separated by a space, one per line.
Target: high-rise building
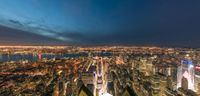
pixel 155 81
pixel 129 92
pixel 186 70
pixel 84 91
pixel 184 83
pixel 197 77
pixel 198 89
pixel 169 83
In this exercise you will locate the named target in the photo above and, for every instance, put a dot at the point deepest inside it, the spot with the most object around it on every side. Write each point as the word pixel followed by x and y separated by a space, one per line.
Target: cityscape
pixel 99 71
pixel 99 48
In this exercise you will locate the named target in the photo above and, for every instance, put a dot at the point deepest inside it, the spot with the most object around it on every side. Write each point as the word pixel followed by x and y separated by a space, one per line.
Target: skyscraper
pixel 184 83
pixel 186 70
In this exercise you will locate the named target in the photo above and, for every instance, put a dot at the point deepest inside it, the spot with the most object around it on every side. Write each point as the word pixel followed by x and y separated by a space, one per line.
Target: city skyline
pixel 94 23
pixel 99 48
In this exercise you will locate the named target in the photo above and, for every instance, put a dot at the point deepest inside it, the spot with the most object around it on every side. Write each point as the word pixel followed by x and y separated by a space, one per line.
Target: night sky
pixel 100 22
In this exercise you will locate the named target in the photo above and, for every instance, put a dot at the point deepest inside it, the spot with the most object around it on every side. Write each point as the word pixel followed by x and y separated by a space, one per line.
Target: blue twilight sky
pixel 100 22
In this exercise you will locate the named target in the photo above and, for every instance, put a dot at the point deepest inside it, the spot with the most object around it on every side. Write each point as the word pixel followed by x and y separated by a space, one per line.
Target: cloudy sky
pixel 100 22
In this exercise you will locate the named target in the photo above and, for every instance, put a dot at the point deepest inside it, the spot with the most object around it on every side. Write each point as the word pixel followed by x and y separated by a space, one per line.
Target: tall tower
pixel 186 70
pixel 39 56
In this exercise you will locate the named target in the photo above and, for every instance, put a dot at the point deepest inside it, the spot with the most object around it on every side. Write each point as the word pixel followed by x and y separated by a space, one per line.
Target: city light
pixel 99 48
pixel 90 71
pixel 106 94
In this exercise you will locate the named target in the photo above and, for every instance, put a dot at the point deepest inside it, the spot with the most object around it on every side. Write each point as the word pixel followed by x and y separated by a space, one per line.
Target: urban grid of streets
pixel 61 70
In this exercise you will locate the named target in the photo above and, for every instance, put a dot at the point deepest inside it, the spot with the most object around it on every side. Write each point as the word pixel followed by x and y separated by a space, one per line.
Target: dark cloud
pixel 114 22
pixel 158 34
pixel 16 22
pixel 11 36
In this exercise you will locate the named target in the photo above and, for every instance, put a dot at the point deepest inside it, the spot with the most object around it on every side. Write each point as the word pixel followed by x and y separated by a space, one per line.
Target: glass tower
pixel 186 70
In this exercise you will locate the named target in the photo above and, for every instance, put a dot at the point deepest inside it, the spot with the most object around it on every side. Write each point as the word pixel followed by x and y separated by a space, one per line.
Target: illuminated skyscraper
pixel 186 70
pixel 39 56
